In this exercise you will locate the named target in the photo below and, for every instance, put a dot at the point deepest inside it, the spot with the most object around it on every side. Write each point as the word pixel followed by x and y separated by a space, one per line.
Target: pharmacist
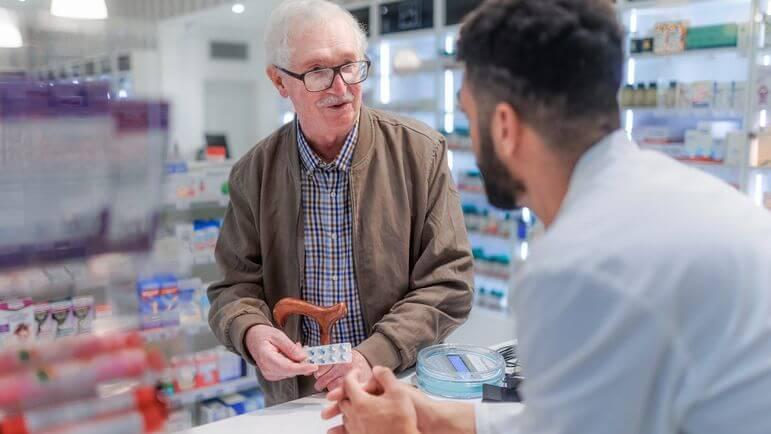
pixel 345 204
pixel 646 307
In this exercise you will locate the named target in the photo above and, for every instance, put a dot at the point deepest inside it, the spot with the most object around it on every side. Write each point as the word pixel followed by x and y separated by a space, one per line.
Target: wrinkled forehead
pixel 324 43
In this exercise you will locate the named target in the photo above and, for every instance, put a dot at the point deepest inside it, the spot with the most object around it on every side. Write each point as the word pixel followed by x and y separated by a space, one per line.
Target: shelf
pixel 193 205
pixel 164 333
pixel 688 53
pixel 505 277
pixel 472 190
pixel 487 234
pixel 226 388
pixel 687 112
pixel 654 6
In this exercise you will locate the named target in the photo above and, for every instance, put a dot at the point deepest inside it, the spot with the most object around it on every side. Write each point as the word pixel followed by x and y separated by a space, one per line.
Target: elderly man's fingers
pixel 331 411
pixel 337 394
pixel 340 429
pixel 323 370
pixel 353 389
pixel 385 377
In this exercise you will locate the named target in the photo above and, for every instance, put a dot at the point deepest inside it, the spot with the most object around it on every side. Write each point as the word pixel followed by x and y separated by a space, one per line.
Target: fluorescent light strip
pixel 449 44
pixel 449 91
pixel 10 35
pixel 629 124
pixel 449 122
pixel 83 9
pixel 633 21
pixel 630 71
pixel 385 73
pixel 759 189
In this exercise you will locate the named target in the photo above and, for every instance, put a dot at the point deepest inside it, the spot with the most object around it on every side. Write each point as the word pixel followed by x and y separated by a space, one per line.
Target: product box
pixel 760 152
pixel 698 144
pixel 255 399
pixel 17 321
pixel 168 301
pixel 83 311
pixel 189 307
pixel 236 402
pixel 184 368
pixel 734 143
pixel 700 94
pixel 45 325
pixel 670 37
pixel 722 35
pixel 207 369
pixel 61 312
pixel 213 410
pixel 230 365
pixel 148 291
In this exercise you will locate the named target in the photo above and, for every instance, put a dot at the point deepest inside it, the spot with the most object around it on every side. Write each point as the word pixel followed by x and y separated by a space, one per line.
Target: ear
pixel 277 79
pixel 505 130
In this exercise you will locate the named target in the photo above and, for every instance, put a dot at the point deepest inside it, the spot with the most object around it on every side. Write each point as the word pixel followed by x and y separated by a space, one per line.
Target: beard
pixel 501 188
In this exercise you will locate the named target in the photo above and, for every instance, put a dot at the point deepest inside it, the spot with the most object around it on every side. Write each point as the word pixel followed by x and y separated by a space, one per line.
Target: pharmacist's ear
pixel 505 131
pixel 277 79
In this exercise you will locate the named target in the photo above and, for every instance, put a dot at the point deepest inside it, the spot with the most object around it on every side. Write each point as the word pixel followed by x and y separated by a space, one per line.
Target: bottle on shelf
pixel 639 95
pixel 652 95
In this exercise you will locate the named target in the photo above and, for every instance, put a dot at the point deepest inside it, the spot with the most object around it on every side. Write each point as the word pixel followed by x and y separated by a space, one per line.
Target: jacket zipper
pixel 354 244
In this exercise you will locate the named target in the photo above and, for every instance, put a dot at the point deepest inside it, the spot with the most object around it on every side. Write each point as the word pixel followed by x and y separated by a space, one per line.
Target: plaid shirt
pixel 329 272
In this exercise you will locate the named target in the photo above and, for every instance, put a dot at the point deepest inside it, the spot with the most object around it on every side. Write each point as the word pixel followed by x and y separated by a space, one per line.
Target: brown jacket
pixel 412 258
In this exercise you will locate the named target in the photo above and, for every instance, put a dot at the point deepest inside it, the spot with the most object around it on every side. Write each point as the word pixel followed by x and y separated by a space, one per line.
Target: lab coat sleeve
pixel 590 354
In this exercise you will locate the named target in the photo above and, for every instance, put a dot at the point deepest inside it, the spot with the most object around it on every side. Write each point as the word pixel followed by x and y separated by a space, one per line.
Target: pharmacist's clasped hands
pixel 277 357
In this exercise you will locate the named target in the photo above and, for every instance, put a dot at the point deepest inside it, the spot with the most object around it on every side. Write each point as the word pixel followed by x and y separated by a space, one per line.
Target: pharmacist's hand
pixel 331 377
pixel 277 357
pixel 389 410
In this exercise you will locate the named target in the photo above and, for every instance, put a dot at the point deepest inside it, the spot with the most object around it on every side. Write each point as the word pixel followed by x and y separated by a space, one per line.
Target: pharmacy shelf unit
pixel 731 110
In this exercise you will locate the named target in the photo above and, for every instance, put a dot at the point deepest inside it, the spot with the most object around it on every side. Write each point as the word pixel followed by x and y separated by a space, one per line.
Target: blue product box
pixel 148 291
pixel 168 301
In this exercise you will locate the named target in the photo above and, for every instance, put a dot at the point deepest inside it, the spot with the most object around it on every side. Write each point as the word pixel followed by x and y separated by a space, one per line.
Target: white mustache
pixel 335 100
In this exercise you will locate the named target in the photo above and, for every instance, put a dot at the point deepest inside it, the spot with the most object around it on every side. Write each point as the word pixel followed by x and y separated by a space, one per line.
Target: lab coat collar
pixel 589 169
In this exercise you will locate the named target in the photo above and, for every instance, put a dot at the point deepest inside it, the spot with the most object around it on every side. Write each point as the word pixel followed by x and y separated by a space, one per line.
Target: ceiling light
pixel 238 8
pixel 84 9
pixel 10 35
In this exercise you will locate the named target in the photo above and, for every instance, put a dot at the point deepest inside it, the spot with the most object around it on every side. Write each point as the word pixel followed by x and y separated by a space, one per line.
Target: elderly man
pixel 345 204
pixel 645 308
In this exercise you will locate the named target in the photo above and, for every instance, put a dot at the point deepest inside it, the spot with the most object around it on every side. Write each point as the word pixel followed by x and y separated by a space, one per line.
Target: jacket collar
pixel 361 152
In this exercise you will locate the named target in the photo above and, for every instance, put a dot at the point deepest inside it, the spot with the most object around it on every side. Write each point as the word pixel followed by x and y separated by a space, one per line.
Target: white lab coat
pixel 646 306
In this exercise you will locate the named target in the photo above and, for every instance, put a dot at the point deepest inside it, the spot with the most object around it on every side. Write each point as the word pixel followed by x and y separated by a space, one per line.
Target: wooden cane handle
pixel 325 316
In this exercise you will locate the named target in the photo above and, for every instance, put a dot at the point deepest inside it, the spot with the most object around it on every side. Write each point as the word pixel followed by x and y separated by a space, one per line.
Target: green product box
pixel 723 35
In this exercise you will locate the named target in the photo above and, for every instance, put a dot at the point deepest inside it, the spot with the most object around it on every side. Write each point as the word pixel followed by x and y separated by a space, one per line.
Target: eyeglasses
pixel 317 80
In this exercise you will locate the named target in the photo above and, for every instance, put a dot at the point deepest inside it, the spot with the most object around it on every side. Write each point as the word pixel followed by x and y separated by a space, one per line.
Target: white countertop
pixel 302 416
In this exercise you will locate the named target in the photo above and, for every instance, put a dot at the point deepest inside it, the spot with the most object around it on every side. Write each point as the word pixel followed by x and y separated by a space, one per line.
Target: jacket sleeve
pixel 238 300
pixel 441 280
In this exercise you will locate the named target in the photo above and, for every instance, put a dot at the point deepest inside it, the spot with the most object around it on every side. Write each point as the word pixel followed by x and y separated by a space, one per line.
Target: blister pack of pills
pixel 329 354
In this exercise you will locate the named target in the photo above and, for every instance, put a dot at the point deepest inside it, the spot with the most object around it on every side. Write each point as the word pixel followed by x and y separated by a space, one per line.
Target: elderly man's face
pixel 334 110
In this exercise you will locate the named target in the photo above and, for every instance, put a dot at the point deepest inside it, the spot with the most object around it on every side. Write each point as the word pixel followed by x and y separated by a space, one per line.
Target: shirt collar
pixel 312 162
pixel 594 165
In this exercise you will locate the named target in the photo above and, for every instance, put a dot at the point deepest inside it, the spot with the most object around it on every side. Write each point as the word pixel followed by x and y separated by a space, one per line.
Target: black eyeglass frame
pixel 335 72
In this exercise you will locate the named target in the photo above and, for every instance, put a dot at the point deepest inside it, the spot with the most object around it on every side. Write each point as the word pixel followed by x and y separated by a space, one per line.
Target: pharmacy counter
pixel 303 416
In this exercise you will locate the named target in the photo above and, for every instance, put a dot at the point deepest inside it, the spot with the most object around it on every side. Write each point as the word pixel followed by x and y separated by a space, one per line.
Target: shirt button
pixel 332 194
pixel 334 278
pixel 332 236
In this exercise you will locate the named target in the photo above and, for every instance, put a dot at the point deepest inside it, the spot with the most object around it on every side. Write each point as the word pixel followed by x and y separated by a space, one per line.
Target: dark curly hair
pixel 558 63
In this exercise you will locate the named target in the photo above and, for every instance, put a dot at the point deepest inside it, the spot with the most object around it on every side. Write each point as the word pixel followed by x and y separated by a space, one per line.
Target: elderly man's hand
pixel 390 411
pixel 433 417
pixel 277 357
pixel 331 377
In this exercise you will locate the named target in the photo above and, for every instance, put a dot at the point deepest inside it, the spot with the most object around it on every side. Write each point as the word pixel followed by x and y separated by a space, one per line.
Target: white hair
pixel 292 15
